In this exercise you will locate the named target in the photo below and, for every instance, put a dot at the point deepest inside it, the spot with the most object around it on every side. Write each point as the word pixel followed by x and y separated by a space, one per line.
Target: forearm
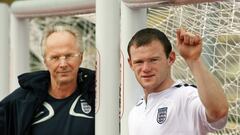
pixel 210 91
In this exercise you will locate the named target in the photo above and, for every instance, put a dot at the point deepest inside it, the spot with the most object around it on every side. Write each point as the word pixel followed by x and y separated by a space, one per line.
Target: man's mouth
pixel 147 76
pixel 63 72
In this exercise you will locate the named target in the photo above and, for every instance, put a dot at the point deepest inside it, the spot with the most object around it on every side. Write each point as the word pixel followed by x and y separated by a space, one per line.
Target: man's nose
pixel 62 61
pixel 146 67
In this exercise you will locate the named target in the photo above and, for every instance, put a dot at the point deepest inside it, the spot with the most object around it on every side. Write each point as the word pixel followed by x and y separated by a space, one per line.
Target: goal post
pixel 4 50
pixel 107 40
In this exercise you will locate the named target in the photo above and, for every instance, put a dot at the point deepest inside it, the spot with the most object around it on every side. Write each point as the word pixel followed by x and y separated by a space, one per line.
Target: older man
pixel 58 101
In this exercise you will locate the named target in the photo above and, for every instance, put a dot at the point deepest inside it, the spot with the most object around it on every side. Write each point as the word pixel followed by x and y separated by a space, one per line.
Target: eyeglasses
pixel 67 57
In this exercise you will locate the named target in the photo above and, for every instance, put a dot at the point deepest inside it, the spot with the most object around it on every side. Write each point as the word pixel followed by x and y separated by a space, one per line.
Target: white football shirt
pixel 174 111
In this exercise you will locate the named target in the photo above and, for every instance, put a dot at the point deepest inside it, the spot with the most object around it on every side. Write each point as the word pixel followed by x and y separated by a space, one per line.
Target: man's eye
pixel 153 60
pixel 54 58
pixel 69 56
pixel 138 62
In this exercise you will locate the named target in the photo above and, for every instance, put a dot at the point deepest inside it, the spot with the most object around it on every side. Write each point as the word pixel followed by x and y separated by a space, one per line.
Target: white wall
pixel 4 50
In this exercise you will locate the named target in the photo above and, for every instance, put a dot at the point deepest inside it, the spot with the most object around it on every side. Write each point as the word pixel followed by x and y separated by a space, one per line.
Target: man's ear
pixel 130 62
pixel 45 63
pixel 171 58
pixel 81 58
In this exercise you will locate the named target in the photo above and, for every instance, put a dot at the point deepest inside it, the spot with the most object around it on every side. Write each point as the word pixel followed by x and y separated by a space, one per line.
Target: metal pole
pixel 132 20
pixel 108 46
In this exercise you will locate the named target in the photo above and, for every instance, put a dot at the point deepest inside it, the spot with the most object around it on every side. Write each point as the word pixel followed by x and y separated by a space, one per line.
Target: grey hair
pixel 62 27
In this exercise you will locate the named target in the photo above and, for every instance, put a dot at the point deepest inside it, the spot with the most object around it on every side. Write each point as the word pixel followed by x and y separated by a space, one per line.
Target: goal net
pixel 219 25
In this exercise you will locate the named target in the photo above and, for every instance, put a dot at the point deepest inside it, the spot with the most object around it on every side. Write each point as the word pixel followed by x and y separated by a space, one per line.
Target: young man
pixel 171 107
pixel 59 101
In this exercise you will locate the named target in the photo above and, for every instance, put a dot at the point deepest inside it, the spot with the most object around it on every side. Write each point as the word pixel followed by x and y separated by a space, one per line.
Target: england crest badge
pixel 162 115
pixel 86 108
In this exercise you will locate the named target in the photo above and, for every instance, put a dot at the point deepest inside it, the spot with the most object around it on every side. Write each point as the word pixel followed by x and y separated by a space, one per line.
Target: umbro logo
pixel 50 113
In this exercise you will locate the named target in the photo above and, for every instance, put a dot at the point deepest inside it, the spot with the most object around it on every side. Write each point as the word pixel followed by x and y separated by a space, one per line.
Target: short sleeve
pixel 198 113
pixel 214 126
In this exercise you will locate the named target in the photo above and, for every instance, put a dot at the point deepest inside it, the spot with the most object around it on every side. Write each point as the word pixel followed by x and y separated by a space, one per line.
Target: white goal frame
pixel 110 41
pixel 106 14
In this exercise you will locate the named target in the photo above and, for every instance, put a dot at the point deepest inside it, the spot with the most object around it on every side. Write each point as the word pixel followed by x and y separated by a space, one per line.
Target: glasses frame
pixel 66 57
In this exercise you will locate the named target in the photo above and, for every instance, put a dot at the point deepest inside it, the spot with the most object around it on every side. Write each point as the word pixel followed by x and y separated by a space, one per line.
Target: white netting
pixel 219 25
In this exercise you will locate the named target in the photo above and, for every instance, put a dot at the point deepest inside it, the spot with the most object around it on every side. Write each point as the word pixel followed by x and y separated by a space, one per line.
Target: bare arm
pixel 210 91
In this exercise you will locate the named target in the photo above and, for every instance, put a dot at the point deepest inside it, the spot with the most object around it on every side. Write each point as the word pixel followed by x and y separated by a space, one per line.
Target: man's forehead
pixel 150 46
pixel 137 55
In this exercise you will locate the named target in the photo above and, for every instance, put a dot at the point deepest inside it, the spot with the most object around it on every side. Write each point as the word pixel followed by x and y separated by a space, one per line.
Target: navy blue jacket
pixel 18 109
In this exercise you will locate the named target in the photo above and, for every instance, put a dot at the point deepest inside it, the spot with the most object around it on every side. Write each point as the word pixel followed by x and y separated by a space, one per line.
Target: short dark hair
pixel 146 36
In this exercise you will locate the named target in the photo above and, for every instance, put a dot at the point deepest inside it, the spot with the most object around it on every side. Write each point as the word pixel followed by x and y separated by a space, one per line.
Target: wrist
pixel 195 64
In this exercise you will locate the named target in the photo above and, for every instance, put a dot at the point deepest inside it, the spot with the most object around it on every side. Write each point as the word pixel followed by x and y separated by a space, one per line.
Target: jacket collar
pixel 38 82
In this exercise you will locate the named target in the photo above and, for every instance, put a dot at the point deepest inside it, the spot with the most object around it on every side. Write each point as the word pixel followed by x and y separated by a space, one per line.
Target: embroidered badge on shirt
pixel 86 108
pixel 162 115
